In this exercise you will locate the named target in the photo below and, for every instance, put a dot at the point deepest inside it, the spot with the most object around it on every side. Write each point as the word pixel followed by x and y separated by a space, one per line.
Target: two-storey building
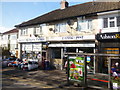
pixel 68 29
pixel 109 36
pixel 9 41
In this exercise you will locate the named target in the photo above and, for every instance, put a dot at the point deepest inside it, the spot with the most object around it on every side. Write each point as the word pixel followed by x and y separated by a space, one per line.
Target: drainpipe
pixel 62 54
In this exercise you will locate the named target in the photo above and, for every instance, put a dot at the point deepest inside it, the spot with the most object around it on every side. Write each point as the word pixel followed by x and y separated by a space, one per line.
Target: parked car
pixel 30 65
pixel 12 58
pixel 14 62
pixel 4 63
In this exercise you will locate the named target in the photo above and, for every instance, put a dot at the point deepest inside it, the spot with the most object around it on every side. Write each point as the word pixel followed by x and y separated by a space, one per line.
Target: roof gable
pixel 11 31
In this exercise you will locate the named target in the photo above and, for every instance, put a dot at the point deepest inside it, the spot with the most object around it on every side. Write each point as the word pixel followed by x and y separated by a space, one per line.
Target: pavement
pixel 15 79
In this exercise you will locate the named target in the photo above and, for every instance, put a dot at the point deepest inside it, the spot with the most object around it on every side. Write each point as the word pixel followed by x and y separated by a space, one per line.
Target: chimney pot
pixel 64 4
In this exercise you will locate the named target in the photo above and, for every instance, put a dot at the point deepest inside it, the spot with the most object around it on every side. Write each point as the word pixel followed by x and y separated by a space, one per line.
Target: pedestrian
pixel 39 57
pixel 46 64
pixel 43 64
pixel 114 73
pixel 66 66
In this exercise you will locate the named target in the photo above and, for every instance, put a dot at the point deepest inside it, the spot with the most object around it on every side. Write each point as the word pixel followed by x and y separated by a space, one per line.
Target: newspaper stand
pixel 76 57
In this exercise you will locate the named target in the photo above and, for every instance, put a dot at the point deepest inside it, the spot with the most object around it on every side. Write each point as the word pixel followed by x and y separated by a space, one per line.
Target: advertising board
pixel 76 68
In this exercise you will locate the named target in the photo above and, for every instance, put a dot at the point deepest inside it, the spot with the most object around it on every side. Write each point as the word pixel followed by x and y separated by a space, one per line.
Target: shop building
pixel 108 39
pixel 68 29
pixel 32 44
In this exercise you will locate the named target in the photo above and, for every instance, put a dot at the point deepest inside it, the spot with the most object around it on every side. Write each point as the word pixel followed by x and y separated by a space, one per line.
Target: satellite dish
pixel 70 22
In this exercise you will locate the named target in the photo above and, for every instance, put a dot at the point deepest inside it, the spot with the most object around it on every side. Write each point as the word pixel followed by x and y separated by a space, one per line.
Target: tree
pixel 4 52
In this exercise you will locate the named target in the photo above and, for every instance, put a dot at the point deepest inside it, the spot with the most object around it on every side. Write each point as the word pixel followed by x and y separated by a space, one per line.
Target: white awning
pixel 72 45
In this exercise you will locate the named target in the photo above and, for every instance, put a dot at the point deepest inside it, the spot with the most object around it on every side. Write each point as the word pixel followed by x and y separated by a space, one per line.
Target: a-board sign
pixel 76 68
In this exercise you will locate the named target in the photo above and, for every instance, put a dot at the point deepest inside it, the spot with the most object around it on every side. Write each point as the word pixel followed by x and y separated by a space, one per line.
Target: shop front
pixel 60 45
pixel 108 43
pixel 32 49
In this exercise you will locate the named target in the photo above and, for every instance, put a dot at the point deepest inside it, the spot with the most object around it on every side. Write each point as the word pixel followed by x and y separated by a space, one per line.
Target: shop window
pixel 12 46
pixel 71 49
pixel 56 54
pixel 109 51
pixel 86 50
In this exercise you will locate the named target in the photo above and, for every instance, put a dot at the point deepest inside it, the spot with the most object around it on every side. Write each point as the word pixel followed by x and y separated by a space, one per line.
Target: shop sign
pixel 68 38
pixel 88 59
pixel 76 66
pixel 72 38
pixel 108 36
pixel 32 40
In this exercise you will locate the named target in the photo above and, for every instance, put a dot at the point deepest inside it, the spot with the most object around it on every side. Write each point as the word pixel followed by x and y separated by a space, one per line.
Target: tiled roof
pixel 11 31
pixel 73 11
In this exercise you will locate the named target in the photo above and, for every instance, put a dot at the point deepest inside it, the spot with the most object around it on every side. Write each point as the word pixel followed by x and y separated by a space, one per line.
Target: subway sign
pixel 106 36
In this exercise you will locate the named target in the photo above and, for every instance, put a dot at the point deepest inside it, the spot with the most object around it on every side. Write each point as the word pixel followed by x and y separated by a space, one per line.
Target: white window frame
pixel 38 30
pixel 24 31
pixel 60 27
pixel 110 20
pixel 84 24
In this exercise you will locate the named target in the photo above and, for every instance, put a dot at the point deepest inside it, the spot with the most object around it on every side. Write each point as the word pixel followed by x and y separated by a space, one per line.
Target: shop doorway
pixel 44 55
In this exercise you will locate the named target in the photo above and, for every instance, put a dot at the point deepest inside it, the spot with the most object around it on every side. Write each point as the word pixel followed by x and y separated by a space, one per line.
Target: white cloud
pixel 4 29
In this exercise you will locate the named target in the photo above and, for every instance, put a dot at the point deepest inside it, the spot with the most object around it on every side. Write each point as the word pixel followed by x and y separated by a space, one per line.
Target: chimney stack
pixel 64 4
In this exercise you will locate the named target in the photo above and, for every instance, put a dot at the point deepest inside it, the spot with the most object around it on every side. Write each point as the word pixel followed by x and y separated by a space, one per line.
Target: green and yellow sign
pixel 76 66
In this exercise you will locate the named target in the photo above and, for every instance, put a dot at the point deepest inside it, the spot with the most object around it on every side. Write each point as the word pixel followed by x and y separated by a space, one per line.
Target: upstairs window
pixel 111 22
pixel 84 25
pixel 61 27
pixel 38 30
pixel 24 31
pixel 5 37
pixel 13 37
pixel 105 22
pixel 118 21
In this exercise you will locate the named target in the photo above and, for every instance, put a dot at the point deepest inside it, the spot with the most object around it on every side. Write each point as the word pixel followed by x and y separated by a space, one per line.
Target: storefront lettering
pixel 107 36
pixel 64 38
pixel 31 40
pixel 79 37
pixel 72 38
pixel 117 35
